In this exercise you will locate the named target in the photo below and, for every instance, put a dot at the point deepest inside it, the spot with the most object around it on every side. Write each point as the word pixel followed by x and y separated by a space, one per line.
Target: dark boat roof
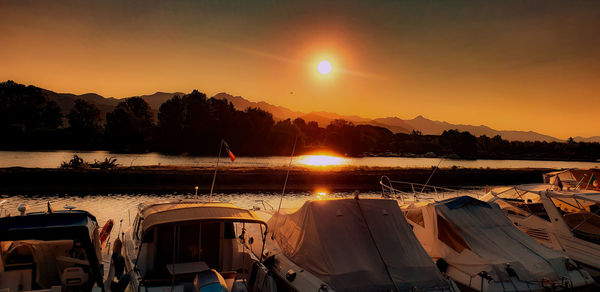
pixel 74 224
pixel 462 201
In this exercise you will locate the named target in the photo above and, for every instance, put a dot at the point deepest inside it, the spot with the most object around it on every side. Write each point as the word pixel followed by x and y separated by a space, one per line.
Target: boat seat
pixel 229 278
pixel 73 276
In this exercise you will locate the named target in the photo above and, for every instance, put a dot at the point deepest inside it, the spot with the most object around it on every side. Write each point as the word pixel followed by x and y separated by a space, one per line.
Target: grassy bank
pixel 230 180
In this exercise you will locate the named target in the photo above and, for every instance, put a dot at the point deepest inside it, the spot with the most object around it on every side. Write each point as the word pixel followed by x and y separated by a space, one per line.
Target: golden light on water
pixel 321 194
pixel 322 160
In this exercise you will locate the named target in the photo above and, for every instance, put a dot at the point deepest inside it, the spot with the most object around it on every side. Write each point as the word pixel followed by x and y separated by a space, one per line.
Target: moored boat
pixel 474 243
pixel 50 251
pixel 349 245
pixel 193 246
pixel 565 220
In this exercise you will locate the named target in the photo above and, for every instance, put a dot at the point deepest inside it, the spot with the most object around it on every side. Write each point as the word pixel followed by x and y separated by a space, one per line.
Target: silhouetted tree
pixel 84 117
pixel 171 120
pixel 283 136
pixel 129 125
pixel 27 107
pixel 84 125
pixel 462 144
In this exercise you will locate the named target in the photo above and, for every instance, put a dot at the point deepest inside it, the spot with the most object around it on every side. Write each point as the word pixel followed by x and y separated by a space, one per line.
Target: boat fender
pixel 106 230
pixel 290 275
pixel 511 272
pixel 269 261
pixel 485 275
pixel 442 265
pixel 569 265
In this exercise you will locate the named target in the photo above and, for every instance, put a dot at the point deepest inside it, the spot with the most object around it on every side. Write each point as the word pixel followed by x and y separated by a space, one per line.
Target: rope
pixel 387 270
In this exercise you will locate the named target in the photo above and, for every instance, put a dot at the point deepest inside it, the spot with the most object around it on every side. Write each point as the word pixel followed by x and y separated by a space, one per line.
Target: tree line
pixel 195 124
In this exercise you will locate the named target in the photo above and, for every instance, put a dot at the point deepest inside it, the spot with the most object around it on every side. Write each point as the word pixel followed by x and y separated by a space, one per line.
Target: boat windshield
pixel 180 250
pixel 582 215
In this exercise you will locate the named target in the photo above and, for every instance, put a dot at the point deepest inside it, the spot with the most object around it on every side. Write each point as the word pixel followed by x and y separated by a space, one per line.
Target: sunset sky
pixel 511 65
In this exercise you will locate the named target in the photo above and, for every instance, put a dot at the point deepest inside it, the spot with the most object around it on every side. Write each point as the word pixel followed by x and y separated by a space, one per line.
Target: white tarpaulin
pixel 357 245
pixel 476 236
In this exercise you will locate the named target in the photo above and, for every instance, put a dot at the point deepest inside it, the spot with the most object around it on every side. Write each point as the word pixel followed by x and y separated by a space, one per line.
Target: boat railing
pixel 410 190
pixel 264 204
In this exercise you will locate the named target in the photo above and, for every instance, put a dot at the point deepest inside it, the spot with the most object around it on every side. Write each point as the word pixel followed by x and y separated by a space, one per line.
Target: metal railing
pixel 404 190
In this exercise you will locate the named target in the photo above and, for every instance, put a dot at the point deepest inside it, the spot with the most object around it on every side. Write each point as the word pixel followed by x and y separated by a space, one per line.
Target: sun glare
pixel 322 160
pixel 324 67
pixel 321 194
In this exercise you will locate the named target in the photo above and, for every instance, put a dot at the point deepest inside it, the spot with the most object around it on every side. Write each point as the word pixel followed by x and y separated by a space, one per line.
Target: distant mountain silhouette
pixel 394 124
pixel 156 99
pixel 587 139
pixel 66 101
pixel 322 118
pixel 278 112
pixel 430 127
pixel 105 104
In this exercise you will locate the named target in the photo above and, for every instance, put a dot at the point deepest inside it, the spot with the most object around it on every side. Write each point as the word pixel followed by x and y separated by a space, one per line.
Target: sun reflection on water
pixel 322 160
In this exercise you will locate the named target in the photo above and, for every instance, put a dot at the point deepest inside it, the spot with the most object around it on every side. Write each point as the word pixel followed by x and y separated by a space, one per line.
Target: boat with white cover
pixel 564 220
pixel 348 245
pixel 474 243
pixel 193 246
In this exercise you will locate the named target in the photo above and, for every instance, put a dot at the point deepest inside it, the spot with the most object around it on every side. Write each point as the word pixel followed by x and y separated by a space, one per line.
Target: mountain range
pixel 394 124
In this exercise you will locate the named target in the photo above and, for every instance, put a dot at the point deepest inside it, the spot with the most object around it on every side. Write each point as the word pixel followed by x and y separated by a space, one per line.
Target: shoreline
pixel 175 179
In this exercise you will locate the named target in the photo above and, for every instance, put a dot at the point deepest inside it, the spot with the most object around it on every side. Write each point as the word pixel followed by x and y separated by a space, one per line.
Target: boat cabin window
pixel 189 242
pixel 448 235
pixel 536 209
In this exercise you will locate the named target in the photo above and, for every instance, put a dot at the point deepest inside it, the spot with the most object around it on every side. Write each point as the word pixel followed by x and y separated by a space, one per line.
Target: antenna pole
pixel 288 173
pixel 212 186
pixel 431 175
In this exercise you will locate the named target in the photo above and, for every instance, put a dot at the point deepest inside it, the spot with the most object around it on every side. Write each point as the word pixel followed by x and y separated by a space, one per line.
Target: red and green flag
pixel 594 181
pixel 231 155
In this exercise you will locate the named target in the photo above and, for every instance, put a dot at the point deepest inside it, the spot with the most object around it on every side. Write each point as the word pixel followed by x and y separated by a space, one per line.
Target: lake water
pixel 124 206
pixel 53 159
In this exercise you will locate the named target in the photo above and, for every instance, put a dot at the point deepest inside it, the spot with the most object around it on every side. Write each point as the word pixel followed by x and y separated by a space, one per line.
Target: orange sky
pixel 511 65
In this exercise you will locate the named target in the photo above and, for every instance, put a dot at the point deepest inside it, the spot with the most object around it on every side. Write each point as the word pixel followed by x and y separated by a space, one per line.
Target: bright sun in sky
pixel 324 67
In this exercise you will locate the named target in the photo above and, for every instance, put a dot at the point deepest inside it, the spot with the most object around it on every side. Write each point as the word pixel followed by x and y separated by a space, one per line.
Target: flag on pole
pixel 593 181
pixel 231 155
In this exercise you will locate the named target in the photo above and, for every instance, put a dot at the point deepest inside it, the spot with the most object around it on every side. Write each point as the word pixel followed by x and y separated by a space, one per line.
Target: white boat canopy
pixel 357 245
pixel 170 212
pixel 476 236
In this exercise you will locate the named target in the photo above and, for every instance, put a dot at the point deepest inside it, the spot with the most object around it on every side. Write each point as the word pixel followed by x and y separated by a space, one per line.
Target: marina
pixel 299 146
pixel 468 243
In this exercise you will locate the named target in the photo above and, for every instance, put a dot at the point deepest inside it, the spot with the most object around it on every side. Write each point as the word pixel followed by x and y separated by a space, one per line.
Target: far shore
pixel 177 179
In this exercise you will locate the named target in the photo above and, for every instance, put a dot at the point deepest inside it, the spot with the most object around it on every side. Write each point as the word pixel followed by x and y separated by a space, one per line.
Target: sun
pixel 324 67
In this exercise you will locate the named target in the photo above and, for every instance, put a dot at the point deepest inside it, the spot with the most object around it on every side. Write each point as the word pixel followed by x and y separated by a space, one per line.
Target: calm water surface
pixel 52 159
pixel 124 206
